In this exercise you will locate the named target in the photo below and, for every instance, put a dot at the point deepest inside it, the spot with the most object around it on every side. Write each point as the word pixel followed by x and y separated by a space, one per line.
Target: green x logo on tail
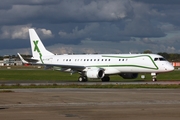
pixel 36 46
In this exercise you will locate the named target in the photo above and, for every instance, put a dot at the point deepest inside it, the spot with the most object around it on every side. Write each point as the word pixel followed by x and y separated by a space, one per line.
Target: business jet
pixel 98 66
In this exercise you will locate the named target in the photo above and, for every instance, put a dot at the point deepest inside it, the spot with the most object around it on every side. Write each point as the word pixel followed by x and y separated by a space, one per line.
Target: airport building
pixel 10 62
pixel 176 64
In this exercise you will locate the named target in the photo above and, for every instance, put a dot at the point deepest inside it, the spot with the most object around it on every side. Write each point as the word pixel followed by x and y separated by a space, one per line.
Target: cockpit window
pixel 156 59
pixel 159 59
pixel 162 59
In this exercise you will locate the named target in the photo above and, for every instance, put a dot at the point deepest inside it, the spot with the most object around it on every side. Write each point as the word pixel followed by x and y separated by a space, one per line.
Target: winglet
pixel 24 61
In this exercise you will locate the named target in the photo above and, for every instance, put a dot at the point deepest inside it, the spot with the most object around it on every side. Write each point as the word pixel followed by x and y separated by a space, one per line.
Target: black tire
pixel 154 79
pixel 82 79
pixel 105 79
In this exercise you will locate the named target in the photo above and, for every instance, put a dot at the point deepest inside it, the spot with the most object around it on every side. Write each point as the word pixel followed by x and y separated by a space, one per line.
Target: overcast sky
pixel 91 26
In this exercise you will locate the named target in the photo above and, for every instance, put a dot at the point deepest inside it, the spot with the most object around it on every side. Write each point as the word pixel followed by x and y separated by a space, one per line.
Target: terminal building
pixel 176 64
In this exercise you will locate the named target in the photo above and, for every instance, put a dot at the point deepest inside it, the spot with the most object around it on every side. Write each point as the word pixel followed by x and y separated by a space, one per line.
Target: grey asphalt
pixel 90 104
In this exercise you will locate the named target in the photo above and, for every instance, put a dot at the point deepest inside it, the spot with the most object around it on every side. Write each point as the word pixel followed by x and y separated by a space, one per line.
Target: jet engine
pixel 129 75
pixel 95 73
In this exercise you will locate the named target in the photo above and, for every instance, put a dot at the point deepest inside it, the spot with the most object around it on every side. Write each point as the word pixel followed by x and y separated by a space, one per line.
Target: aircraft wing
pixel 65 67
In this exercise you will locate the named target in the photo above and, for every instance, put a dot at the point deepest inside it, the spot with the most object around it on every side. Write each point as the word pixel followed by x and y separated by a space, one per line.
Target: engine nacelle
pixel 129 75
pixel 95 73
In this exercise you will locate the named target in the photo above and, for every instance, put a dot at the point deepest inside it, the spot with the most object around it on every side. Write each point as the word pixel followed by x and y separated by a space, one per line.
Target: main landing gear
pixel 85 79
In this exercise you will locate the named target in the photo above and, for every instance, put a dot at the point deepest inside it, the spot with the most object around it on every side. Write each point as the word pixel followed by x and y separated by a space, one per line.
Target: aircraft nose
pixel 170 67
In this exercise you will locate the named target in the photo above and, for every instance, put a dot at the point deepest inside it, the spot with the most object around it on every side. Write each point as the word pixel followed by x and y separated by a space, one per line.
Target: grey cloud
pixel 44 33
pixel 7 4
pixel 65 11
pixel 141 27
pixel 167 27
pixel 142 23
pixel 100 10
pixel 15 32
pixel 14 37
pixel 168 2
pixel 93 31
pixel 21 32
pixel 134 24
pixel 162 10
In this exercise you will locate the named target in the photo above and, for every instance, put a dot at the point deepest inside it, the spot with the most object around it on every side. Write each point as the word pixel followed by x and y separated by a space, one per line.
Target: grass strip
pixel 6 91
pixel 31 75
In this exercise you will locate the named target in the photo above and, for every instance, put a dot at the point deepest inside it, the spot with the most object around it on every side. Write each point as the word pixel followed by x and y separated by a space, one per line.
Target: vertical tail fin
pixel 37 47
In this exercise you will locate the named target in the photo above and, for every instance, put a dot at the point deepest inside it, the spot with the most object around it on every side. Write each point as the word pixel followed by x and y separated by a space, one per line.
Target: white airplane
pixel 99 66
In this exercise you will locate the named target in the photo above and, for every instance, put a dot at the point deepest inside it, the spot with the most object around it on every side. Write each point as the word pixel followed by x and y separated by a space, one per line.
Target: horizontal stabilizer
pixel 30 60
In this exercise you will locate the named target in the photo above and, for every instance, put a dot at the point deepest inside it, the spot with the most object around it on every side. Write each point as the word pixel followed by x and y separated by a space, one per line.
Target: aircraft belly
pixel 136 69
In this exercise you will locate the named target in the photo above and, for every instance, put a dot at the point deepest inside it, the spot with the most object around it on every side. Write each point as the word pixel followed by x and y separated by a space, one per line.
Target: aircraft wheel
pixel 105 79
pixel 154 76
pixel 85 78
pixel 82 79
pixel 154 79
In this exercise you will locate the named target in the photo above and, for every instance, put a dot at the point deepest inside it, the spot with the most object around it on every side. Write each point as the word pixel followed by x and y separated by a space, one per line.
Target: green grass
pixel 32 73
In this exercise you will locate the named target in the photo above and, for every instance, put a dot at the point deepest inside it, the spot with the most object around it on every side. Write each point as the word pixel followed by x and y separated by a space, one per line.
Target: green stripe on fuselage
pixel 129 65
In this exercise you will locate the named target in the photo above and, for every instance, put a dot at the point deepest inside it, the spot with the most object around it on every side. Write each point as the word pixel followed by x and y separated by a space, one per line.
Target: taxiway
pixel 90 104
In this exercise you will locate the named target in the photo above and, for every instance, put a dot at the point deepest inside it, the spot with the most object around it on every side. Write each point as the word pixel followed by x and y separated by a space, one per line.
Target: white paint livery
pixel 99 66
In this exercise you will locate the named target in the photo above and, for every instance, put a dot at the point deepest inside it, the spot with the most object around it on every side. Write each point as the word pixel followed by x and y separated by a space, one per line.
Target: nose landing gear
pixel 154 77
